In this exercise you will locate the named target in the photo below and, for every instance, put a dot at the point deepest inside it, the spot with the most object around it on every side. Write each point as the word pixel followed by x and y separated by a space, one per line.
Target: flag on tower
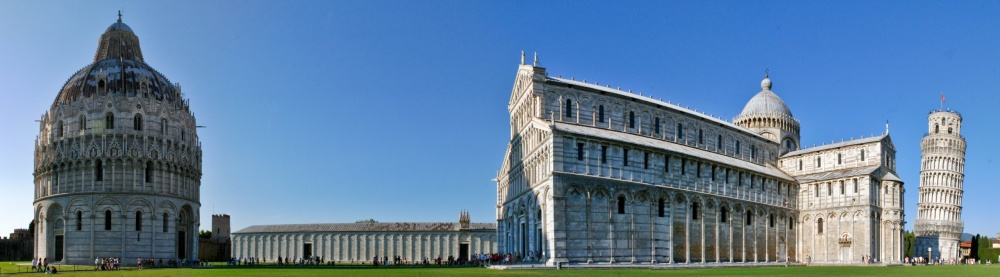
pixel 942 98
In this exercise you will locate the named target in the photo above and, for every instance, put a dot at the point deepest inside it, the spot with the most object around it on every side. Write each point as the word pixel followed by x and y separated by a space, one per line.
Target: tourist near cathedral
pixel 117 162
pixel 594 174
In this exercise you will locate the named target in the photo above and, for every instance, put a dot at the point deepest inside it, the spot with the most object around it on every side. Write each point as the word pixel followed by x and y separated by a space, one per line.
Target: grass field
pixel 7 269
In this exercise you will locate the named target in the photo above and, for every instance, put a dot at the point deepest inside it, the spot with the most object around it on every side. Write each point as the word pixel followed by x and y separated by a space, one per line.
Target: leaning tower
pixel 939 209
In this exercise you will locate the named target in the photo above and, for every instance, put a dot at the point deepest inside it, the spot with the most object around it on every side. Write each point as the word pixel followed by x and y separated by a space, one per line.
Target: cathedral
pixel 597 175
pixel 117 164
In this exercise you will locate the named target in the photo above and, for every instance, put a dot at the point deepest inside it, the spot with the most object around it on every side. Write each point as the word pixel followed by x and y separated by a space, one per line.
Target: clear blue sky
pixel 335 111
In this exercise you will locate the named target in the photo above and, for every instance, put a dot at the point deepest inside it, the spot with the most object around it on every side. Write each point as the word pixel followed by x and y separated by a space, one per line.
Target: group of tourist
pixel 107 264
pixel 42 265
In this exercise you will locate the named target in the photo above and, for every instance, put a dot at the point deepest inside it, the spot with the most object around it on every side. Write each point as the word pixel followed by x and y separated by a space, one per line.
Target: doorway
pixel 59 248
pixel 181 242
pixel 845 254
pixel 463 252
pixel 307 250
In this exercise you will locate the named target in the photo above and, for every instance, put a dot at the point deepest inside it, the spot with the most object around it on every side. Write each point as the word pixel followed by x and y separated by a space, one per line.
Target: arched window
pixel 600 113
pixel 694 210
pixel 100 86
pixel 661 207
pixel 621 204
pixel 842 190
pixel 753 151
pixel 656 124
pixel 83 123
pixel 163 126
pixel 718 143
pixel 166 222
pixel 936 127
pixel 680 131
pixel 816 190
pixel 98 171
pixel 739 150
pixel 79 220
pixel 819 226
pixel 791 223
pixel 829 189
pixel 800 164
pixel 770 220
pixel 138 220
pixel 723 214
pixel 631 119
pixel 749 219
pixel 107 220
pixel 59 129
pixel 701 138
pixel 109 121
pixel 839 159
pixel 862 155
pixel 137 122
pixel 949 130
pixel 568 111
pixel 789 145
pixel 855 185
pixel 819 162
pixel 183 134
pixel 149 172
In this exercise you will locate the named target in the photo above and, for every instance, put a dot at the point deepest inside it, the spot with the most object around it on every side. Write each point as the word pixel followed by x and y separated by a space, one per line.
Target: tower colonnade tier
pixel 939 224
pixel 117 163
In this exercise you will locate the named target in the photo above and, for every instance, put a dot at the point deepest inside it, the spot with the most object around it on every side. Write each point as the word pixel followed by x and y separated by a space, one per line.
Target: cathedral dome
pixel 766 102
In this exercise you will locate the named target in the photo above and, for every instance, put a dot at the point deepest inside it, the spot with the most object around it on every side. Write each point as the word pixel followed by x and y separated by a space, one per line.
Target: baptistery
pixel 117 164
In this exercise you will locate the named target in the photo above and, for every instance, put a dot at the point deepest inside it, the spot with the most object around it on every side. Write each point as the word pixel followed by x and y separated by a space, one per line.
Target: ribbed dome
pixel 118 68
pixel 118 26
pixel 766 103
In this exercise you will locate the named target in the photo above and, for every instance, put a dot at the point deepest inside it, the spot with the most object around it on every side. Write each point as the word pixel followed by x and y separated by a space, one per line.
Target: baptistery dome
pixel 117 162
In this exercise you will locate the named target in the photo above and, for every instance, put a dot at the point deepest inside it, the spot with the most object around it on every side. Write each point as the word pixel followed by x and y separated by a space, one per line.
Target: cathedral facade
pixel 117 165
pixel 594 174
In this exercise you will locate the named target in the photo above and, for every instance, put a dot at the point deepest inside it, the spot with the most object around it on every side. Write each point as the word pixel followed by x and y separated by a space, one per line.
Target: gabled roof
pixel 669 146
pixel 652 101
pixel 890 177
pixel 837 174
pixel 366 227
pixel 835 145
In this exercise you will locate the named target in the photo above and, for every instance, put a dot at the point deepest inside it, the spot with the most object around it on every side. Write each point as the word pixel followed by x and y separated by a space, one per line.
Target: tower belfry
pixel 939 223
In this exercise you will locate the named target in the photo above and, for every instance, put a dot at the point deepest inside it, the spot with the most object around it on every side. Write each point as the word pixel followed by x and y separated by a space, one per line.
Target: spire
pixel 886 127
pixel 536 59
pixel 119 16
pixel 522 57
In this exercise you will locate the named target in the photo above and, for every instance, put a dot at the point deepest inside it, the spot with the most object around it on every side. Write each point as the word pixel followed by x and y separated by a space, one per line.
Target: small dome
pixel 119 26
pixel 766 102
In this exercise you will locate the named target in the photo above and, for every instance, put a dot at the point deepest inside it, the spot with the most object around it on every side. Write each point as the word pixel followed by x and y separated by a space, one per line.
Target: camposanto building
pixel 117 162
pixel 593 174
pixel 360 242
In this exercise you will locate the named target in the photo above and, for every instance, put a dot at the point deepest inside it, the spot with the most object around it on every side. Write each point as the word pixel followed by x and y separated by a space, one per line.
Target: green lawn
pixel 814 271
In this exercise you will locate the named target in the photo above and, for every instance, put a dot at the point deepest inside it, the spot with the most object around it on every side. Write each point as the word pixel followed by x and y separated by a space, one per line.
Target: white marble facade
pixel 594 174
pixel 360 242
pixel 939 223
pixel 117 163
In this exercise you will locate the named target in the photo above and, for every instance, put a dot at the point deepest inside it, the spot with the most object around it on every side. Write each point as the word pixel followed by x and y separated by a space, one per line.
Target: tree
pixel 370 220
pixel 205 234
pixel 31 228
pixel 974 250
pixel 909 243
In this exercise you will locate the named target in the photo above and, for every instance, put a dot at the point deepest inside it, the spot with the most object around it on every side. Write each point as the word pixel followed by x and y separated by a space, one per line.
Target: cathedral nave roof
pixel 835 145
pixel 837 174
pixel 365 227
